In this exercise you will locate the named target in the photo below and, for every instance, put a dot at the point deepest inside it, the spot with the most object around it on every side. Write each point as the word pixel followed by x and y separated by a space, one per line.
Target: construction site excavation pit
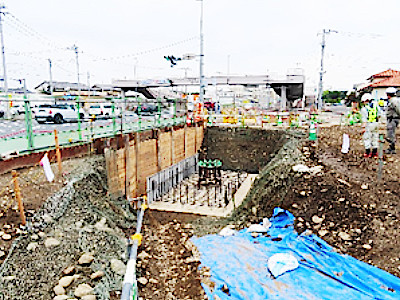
pixel 76 244
pixel 168 262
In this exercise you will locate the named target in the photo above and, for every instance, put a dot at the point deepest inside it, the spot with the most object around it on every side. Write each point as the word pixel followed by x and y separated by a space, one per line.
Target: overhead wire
pixel 35 33
pixel 144 52
pixel 27 31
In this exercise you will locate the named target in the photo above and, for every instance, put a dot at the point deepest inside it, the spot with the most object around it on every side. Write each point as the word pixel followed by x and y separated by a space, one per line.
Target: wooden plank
pixel 147 162
pixel 132 169
pixel 158 151
pixel 166 153
pixel 120 171
pixel 127 166
pixel 137 146
pixel 172 147
pixel 179 146
pixel 184 140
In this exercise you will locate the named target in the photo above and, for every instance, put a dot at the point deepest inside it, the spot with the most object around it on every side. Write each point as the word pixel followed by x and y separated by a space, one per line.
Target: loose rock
pixel 323 232
pixel 143 280
pixel 51 242
pixel 83 290
pixel 118 266
pixel 66 281
pixel 69 270
pixel 97 274
pixel 59 290
pixel 89 297
pixel 367 246
pixel 61 297
pixel 86 259
pixel 317 219
pixel 344 236
pixel 32 246
pixel 6 237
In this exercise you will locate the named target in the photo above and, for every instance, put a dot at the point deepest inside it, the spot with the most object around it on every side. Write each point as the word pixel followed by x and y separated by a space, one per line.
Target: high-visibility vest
pixel 372 113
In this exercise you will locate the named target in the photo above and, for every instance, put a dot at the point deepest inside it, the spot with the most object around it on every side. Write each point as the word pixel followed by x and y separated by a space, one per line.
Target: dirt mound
pixel 81 218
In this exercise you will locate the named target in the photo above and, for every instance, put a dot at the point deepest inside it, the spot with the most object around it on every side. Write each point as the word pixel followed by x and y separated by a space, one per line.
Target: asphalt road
pixel 13 136
pixel 16 128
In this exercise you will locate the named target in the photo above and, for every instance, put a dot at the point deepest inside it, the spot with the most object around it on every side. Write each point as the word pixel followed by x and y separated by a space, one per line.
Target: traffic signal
pixel 172 59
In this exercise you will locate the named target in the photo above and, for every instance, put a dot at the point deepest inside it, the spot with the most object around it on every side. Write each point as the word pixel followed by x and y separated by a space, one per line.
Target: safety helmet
pixel 391 90
pixel 366 97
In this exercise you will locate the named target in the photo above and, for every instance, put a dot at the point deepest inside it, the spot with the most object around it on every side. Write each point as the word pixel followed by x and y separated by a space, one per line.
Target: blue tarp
pixel 240 263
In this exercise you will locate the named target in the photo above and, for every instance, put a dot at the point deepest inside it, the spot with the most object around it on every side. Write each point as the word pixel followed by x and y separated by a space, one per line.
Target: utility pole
pixel 88 83
pixel 134 68
pixel 75 48
pixel 201 56
pixel 2 13
pixel 321 73
pixel 51 79
pixel 228 68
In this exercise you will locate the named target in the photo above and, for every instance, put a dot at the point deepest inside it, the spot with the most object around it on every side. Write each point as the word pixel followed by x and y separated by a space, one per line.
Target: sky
pixel 127 39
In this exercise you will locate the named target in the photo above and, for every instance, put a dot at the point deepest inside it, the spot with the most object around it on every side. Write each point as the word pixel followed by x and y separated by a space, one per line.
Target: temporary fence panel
pixel 160 183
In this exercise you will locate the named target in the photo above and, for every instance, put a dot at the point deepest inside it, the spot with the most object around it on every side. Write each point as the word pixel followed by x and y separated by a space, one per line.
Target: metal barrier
pixel 160 183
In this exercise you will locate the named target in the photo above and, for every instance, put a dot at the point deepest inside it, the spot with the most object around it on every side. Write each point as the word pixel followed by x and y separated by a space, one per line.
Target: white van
pixel 103 110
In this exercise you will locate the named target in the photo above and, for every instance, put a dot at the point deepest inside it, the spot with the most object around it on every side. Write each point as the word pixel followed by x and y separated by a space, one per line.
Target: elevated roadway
pixel 288 88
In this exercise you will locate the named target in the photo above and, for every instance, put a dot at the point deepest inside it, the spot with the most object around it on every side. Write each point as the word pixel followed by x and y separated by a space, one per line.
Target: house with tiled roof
pixel 378 83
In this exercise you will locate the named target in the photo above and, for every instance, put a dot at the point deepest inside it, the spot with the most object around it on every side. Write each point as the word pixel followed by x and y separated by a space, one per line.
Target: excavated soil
pixel 35 189
pixel 345 204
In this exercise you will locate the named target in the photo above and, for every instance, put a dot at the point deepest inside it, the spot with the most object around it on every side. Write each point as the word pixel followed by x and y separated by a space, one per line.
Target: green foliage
pixel 333 96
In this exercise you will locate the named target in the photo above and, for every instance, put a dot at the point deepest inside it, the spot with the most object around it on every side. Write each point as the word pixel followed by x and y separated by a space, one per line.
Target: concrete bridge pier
pixel 283 98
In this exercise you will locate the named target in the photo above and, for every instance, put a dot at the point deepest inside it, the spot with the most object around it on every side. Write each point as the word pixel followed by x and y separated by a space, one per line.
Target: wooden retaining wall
pixel 147 153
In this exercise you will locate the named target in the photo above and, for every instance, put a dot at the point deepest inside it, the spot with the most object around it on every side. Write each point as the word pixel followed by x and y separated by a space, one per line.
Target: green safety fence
pixel 92 131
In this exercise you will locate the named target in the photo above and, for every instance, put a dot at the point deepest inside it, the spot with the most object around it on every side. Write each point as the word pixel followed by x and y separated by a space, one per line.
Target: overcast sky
pixel 244 37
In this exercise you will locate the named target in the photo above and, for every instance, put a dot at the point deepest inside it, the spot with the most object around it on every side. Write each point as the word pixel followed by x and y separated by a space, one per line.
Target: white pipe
pixel 129 286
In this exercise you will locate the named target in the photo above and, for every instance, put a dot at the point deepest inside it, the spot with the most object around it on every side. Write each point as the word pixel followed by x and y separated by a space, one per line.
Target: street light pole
pixel 201 55
pixel 75 48
pixel 321 73
pixel 51 78
pixel 4 62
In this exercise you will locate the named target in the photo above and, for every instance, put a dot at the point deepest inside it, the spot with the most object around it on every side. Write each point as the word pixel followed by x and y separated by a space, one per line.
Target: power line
pixel 145 51
pixel 361 35
pixel 35 33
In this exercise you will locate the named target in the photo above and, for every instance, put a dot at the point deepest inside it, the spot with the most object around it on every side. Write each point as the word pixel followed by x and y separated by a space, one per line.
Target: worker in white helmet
pixel 370 114
pixel 393 118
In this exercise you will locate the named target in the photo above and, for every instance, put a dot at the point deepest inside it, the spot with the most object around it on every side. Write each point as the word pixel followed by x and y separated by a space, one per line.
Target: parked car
pixel 18 109
pixel 13 111
pixel 58 113
pixel 103 110
pixel 147 109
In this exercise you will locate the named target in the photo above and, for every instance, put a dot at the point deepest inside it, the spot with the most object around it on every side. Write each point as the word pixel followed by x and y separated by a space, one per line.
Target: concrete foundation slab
pixel 201 209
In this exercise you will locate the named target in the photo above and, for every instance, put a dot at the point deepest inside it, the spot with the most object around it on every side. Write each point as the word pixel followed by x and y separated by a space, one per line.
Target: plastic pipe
pixel 129 286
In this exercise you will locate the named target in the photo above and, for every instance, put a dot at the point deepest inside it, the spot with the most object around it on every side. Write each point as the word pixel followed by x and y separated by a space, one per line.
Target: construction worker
pixel 393 117
pixel 370 114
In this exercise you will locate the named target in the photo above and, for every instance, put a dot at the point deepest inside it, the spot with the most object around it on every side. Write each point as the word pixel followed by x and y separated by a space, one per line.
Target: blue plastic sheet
pixel 240 263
